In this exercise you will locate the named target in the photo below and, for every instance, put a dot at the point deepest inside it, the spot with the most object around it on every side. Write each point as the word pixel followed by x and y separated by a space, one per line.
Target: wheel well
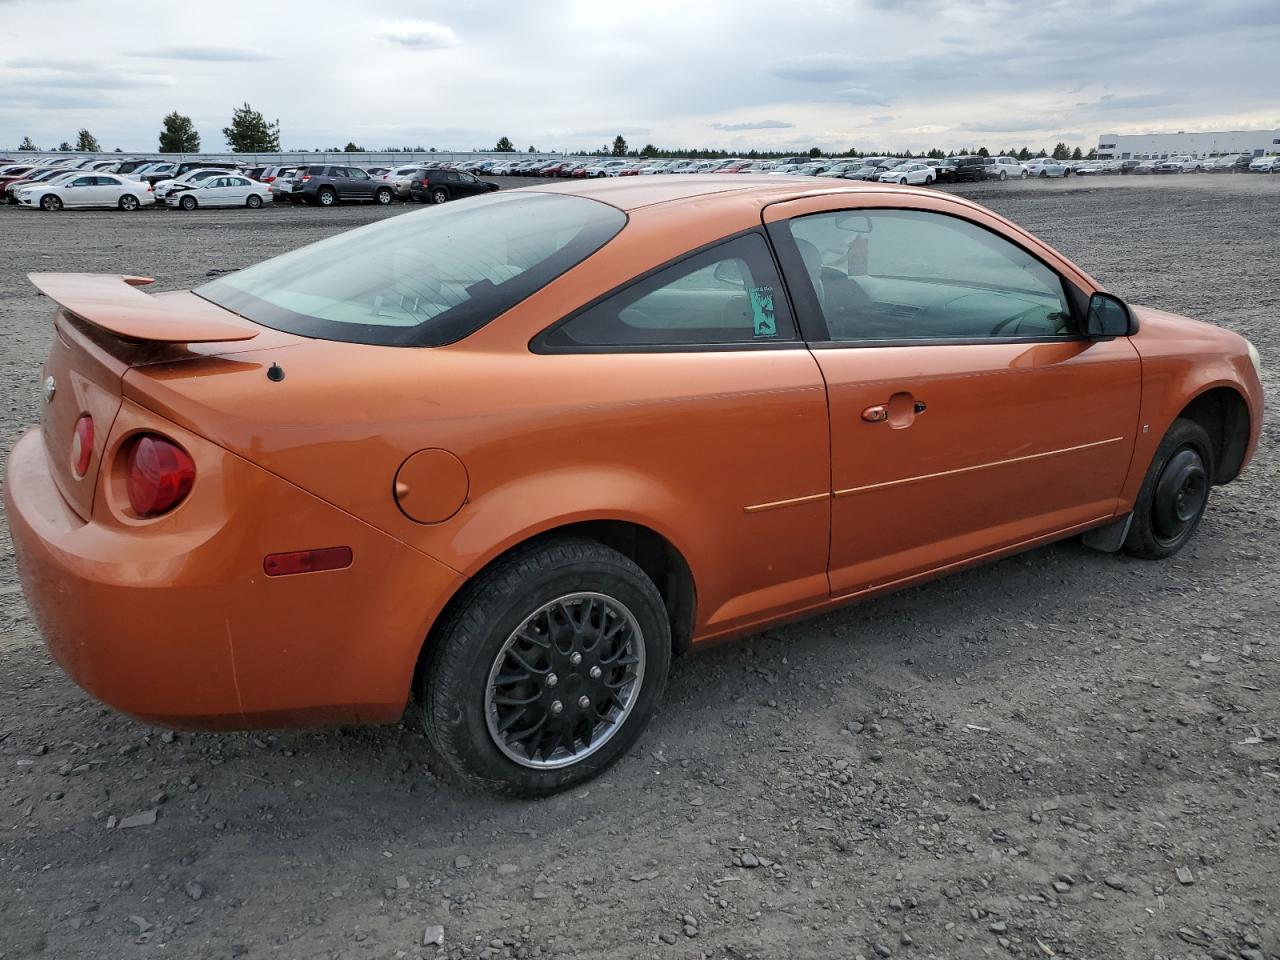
pixel 1225 417
pixel 650 551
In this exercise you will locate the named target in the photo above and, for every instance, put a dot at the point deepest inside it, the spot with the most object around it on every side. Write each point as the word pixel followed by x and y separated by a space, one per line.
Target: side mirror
pixel 1108 316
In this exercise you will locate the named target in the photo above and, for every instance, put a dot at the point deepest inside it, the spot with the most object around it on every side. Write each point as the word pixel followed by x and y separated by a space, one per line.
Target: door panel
pixel 965 415
pixel 1014 441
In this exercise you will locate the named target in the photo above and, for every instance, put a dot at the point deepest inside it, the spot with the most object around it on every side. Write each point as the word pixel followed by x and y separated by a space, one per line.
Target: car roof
pixel 631 194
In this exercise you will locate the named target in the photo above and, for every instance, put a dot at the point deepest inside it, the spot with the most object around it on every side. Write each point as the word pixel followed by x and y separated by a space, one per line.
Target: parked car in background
pixel 437 185
pixel 1002 168
pixel 971 169
pixel 35 175
pixel 88 190
pixel 172 171
pixel 1265 165
pixel 1145 167
pixel 910 172
pixel 840 168
pixel 16 172
pixel 163 187
pixel 274 173
pixel 325 184
pixel 401 177
pixel 1181 164
pixel 224 190
pixel 606 168
pixel 1047 167
pixel 1091 168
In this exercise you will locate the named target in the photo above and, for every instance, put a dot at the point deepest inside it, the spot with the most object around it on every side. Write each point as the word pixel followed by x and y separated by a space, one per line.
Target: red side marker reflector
pixel 306 561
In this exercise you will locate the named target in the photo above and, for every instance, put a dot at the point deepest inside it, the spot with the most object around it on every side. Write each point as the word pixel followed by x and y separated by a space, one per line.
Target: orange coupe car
pixel 503 458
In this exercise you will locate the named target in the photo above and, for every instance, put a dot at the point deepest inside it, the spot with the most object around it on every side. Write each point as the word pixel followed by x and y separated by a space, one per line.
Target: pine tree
pixel 504 145
pixel 87 142
pixel 178 135
pixel 250 133
pixel 26 144
pixel 1076 154
pixel 352 148
pixel 1061 151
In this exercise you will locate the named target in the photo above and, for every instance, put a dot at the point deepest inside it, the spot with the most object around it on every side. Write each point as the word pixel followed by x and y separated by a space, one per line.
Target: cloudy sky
pixel 557 74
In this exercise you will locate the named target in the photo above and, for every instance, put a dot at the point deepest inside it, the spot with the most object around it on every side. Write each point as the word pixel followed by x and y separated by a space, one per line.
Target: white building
pixel 1148 146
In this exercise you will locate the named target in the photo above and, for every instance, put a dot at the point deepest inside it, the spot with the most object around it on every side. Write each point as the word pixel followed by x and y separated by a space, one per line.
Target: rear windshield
pixel 421 279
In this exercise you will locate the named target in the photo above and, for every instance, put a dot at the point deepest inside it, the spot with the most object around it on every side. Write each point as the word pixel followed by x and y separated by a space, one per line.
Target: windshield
pixel 421 279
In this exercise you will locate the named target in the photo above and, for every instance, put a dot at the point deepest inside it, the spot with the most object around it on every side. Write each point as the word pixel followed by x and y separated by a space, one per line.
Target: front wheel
pixel 547 668
pixel 383 196
pixel 902 181
pixel 1174 493
pixel 188 202
pixel 128 203
pixel 50 203
pixel 1023 175
pixel 254 201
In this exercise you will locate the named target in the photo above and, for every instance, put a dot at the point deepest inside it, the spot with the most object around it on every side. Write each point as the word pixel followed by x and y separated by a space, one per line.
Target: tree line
pixel 250 132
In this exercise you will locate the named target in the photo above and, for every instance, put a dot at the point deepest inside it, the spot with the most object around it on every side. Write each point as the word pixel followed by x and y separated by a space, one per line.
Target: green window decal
pixel 766 323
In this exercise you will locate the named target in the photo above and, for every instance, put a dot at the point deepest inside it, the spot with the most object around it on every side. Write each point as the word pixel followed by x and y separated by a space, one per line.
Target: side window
pixel 84 181
pixel 451 176
pixel 357 174
pixel 911 275
pixel 728 294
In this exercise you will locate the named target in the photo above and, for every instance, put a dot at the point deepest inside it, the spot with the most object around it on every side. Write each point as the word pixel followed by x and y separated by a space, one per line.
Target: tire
pixel 188 202
pixel 128 203
pixel 902 181
pixel 928 181
pixel 438 195
pixel 1003 175
pixel 1023 175
pixel 1042 174
pixel 50 203
pixel 536 591
pixel 253 202
pixel 383 196
pixel 326 197
pixel 1174 493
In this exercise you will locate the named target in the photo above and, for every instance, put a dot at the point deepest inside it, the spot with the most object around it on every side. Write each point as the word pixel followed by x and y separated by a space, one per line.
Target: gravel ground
pixel 1061 754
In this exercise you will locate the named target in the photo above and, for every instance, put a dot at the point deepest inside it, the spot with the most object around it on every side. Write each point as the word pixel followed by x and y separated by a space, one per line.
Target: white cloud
pixel 420 34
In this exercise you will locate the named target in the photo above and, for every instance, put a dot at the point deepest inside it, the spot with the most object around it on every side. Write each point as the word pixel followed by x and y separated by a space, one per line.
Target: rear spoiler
pixel 114 303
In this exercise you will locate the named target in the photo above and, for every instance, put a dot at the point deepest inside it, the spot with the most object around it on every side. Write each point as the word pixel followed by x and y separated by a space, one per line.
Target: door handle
pixel 900 411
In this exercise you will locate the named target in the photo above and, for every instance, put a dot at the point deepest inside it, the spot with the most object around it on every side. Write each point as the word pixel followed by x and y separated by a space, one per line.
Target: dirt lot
pixel 1063 754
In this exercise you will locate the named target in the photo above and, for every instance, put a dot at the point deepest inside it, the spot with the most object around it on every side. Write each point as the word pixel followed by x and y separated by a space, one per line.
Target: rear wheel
pixel 438 195
pixel 383 196
pixel 326 197
pixel 1174 493
pixel 547 668
pixel 128 203
pixel 187 203
pixel 254 201
pixel 50 202
pixel 1003 175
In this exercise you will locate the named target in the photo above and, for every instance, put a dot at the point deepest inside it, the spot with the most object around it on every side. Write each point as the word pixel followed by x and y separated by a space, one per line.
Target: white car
pixel 1006 167
pixel 164 187
pixel 607 168
pixel 909 172
pixel 1265 165
pixel 228 190
pixel 88 190
pixel 1047 167
pixel 1183 164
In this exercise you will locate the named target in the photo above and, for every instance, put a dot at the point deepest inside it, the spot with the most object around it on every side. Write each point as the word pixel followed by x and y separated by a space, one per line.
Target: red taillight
pixel 82 445
pixel 268 179
pixel 160 475
pixel 306 177
pixel 306 561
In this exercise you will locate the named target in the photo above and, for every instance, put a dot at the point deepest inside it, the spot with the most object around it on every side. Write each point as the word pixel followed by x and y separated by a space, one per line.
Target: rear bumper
pixel 173 620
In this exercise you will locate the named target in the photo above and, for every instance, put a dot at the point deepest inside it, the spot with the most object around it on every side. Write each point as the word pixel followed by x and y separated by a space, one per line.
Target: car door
pixel 967 414
pixel 237 191
pixel 708 345
pixel 469 185
pixel 360 184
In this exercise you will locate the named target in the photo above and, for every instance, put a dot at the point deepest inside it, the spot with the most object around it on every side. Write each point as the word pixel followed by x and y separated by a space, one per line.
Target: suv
pixel 970 169
pixel 438 185
pixel 328 183
pixel 1002 168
